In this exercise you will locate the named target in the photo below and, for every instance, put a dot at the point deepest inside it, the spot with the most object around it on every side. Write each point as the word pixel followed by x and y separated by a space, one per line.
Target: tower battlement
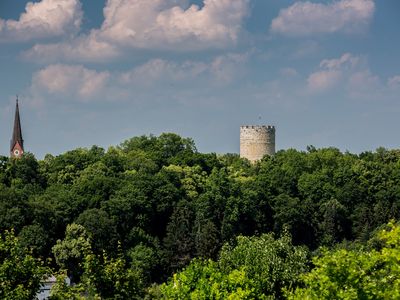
pixel 261 127
pixel 257 141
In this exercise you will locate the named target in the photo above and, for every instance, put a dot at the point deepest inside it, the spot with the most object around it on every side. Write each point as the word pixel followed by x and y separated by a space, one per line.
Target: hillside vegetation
pixel 155 218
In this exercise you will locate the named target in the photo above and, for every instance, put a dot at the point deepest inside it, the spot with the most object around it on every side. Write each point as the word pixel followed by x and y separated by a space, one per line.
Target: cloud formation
pixel 330 72
pixel 170 23
pixel 323 80
pixel 152 24
pixel 81 49
pixel 220 70
pixel 44 19
pixel 83 84
pixel 308 18
pixel 394 82
pixel 64 79
pixel 160 70
pixel 348 71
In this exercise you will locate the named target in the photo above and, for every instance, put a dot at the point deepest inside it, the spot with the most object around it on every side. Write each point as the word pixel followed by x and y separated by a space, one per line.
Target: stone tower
pixel 17 143
pixel 256 141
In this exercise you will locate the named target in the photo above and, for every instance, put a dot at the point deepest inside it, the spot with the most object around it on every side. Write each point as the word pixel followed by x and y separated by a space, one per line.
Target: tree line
pixel 121 222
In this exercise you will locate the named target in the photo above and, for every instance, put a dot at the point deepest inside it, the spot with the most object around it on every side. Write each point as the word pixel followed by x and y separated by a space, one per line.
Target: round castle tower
pixel 256 141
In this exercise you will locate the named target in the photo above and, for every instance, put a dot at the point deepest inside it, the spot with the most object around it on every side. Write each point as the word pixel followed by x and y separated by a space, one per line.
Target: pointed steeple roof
pixel 17 132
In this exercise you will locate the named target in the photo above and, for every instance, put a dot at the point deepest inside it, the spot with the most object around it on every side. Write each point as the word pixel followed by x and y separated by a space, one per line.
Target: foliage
pixel 62 290
pixel 70 252
pixel 178 242
pixel 35 238
pixel 271 263
pixel 100 228
pixel 100 276
pixel 256 267
pixel 20 272
pixel 156 203
pixel 204 280
pixel 356 274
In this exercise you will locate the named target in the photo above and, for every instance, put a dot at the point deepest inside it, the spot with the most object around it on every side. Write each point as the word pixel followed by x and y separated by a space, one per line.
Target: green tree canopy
pixel 20 272
pixel 356 274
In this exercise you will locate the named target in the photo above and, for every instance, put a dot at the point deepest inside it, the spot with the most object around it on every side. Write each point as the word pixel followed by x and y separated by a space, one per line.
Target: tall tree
pixel 20 272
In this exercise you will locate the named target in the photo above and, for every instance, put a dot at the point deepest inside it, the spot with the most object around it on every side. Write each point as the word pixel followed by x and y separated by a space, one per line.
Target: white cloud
pixel 394 82
pixel 331 72
pixel 363 84
pixel 83 49
pixel 346 61
pixel 222 69
pixel 62 79
pixel 227 67
pixel 363 79
pixel 288 72
pixel 157 70
pixel 44 19
pixel 308 18
pixel 348 73
pixel 323 80
pixel 306 49
pixel 166 23
pixel 154 24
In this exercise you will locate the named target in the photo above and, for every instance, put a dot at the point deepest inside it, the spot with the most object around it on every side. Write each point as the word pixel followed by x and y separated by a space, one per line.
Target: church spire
pixel 17 143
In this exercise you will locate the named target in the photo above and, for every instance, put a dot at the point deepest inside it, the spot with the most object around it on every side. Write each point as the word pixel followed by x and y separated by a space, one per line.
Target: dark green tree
pixel 100 228
pixel 179 241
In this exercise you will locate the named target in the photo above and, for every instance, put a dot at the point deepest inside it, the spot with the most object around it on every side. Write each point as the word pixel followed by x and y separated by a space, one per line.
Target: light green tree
pixel 20 273
pixel 70 252
pixel 272 263
pixel 255 268
pixel 356 274
pixel 100 276
pixel 204 280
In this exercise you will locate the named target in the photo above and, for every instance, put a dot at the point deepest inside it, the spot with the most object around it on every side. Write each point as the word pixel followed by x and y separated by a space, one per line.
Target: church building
pixel 17 143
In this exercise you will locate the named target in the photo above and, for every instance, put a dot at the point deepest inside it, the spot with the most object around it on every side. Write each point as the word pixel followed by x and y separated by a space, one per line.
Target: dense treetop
pixel 153 204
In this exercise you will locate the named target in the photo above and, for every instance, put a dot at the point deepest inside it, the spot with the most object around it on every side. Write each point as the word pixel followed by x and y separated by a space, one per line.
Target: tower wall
pixel 256 141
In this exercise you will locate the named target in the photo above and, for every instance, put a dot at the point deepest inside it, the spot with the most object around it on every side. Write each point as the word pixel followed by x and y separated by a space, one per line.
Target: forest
pixel 153 218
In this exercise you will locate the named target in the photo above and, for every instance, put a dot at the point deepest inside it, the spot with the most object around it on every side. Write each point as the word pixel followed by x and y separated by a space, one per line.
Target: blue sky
pixel 325 73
